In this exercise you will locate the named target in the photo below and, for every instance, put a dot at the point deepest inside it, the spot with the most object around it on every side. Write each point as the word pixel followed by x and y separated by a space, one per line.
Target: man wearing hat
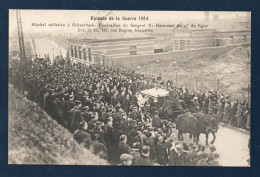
pixel 212 152
pixel 76 116
pixel 192 154
pixel 135 152
pixel 123 147
pixel 97 147
pixel 69 105
pixel 203 160
pixel 126 104
pixel 162 154
pixel 81 135
pixel 156 121
pixel 213 161
pixel 135 115
pixel 143 159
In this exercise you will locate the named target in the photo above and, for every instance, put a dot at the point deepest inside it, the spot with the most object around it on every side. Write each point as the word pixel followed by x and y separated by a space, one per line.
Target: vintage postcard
pixel 139 88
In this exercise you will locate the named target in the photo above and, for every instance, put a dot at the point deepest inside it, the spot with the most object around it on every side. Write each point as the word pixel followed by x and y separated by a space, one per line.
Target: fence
pixel 236 88
pixel 203 82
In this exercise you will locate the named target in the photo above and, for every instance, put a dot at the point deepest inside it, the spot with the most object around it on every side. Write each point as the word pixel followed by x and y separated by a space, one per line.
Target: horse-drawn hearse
pixel 172 110
pixel 159 99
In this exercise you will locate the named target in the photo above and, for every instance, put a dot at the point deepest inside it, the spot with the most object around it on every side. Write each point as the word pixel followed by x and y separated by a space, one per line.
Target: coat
pixel 202 163
pixel 135 116
pixel 156 122
pixel 126 105
pixel 173 158
pixel 124 148
pixel 142 161
pixel 162 155
pixel 76 118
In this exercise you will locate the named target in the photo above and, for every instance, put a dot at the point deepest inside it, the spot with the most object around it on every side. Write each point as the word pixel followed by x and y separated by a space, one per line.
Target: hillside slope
pixel 233 69
pixel 35 138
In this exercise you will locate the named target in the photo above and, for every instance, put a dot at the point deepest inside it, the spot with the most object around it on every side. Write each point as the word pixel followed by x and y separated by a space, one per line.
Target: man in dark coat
pixel 111 143
pixel 156 121
pixel 135 152
pixel 123 147
pixel 58 104
pixel 97 147
pixel 114 100
pixel 203 160
pixel 49 103
pixel 143 159
pixel 126 104
pixel 76 116
pixel 69 105
pixel 81 135
pixel 135 115
pixel 162 155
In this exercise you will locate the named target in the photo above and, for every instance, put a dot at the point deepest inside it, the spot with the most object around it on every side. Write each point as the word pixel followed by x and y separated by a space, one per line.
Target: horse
pixel 195 124
pixel 171 109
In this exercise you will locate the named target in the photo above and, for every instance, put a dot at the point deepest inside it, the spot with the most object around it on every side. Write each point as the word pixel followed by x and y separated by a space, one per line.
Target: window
pixel 182 45
pixel 89 55
pixel 72 53
pixel 231 39
pixel 76 53
pixel 188 44
pixel 217 42
pixel 244 38
pixel 79 53
pixel 132 50
pixel 84 54
pixel 176 45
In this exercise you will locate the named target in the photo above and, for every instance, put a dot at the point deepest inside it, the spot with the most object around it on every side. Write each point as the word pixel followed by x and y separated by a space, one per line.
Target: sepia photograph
pixel 129 88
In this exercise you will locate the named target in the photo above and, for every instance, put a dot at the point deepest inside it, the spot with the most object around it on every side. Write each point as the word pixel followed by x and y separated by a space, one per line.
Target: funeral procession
pixel 172 89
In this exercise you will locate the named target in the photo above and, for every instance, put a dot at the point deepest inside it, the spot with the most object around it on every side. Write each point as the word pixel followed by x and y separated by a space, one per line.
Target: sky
pixel 83 16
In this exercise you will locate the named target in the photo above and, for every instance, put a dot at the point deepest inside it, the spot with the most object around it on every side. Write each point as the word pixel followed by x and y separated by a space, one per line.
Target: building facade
pixel 98 51
pixel 184 38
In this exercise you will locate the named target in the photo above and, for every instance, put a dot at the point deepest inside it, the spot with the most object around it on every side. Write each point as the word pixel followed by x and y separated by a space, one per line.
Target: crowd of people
pixel 98 104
